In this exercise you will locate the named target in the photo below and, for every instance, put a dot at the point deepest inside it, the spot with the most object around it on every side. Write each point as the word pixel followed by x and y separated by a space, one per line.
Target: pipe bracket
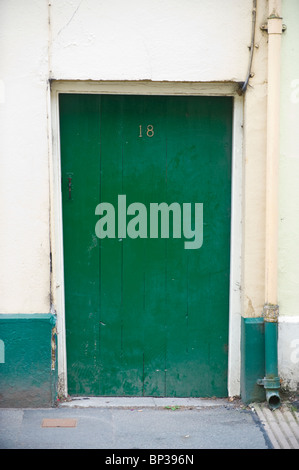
pixel 265 27
pixel 273 384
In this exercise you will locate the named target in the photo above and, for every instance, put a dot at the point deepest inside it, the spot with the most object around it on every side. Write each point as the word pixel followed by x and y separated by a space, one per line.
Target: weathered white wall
pixel 289 199
pixel 156 40
pixel 289 164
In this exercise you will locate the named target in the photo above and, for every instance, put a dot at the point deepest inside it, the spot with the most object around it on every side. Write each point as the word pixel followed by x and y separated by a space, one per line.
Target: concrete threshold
pixel 141 402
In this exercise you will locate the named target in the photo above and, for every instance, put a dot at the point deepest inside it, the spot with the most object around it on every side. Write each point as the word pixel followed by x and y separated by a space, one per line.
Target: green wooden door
pixel 146 316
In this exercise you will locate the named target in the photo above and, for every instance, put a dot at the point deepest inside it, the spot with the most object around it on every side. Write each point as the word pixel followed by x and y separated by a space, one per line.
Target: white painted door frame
pixel 147 88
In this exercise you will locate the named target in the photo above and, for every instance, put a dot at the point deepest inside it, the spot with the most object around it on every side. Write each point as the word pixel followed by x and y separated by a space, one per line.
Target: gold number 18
pixel 149 130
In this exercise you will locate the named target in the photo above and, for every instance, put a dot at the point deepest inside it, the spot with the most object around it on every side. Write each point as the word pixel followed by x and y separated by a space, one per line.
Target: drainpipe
pixel 271 380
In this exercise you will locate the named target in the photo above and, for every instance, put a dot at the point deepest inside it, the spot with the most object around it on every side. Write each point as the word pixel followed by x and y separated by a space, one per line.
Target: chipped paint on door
pixel 144 316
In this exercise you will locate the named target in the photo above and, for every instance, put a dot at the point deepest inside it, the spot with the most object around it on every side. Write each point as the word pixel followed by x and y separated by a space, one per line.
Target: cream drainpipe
pixel 273 129
pixel 271 380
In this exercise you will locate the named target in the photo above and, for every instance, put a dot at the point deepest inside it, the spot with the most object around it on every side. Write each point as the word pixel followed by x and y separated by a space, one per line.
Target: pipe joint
pixel 270 313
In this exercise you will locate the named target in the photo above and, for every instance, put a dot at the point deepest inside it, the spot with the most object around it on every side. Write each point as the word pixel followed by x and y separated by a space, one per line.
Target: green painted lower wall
pixel 252 359
pixel 28 369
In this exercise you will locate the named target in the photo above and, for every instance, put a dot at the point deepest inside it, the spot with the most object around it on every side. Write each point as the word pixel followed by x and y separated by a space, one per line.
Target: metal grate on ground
pixel 281 425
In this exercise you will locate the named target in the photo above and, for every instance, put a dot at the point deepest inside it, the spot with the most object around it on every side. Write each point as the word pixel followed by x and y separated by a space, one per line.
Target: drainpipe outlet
pixel 272 387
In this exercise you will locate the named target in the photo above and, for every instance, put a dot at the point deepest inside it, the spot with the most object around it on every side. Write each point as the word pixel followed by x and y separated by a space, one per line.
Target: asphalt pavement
pixel 115 424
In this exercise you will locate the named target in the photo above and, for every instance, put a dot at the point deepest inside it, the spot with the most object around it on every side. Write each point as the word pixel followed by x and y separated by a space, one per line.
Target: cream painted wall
pixel 92 39
pixel 24 176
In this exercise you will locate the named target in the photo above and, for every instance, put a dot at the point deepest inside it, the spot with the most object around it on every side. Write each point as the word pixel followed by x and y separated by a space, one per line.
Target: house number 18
pixel 149 130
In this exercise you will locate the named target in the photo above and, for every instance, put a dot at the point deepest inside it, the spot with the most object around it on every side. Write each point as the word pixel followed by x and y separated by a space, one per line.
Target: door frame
pixel 56 224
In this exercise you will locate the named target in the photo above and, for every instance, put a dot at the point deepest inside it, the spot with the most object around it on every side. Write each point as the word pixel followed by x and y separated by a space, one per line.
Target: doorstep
pixel 141 402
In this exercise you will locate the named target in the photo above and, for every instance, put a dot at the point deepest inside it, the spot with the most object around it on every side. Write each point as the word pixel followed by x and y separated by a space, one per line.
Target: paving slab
pixel 281 425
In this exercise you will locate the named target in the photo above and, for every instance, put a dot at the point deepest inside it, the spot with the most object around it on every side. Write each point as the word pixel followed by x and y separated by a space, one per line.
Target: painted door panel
pixel 145 316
